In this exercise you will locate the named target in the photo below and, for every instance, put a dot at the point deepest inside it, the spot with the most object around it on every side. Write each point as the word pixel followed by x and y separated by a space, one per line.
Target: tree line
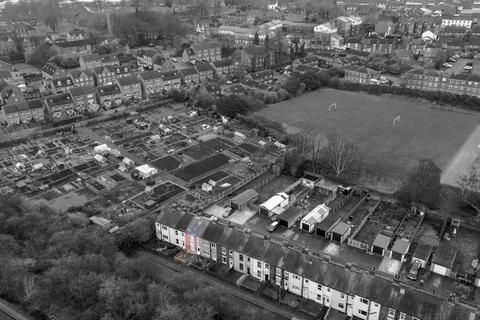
pixel 54 266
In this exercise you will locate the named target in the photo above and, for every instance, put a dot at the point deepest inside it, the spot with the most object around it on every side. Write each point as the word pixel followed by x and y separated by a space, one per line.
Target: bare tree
pixel 469 184
pixel 340 154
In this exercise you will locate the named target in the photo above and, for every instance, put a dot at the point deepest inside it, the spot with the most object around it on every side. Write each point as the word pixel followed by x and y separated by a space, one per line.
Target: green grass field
pixel 389 151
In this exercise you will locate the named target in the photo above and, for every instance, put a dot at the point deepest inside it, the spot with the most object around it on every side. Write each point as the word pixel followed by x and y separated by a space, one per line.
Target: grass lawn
pixel 389 151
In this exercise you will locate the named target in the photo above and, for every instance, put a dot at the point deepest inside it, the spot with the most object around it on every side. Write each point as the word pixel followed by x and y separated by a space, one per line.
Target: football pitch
pixel 389 151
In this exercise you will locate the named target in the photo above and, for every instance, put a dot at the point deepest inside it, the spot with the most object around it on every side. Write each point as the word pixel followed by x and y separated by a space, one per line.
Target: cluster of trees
pixel 335 156
pixel 423 185
pixel 48 12
pixel 390 65
pixel 298 83
pixel 266 127
pixel 322 10
pixel 143 27
pixel 56 268
pixel 230 106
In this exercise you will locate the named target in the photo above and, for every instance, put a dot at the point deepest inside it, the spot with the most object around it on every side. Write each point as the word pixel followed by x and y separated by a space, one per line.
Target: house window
pixel 224 260
pixel 214 245
pixel 328 290
pixel 176 241
pixel 176 233
pixel 391 313
pixel 267 266
pixel 364 301
pixel 319 287
pixel 230 252
pixel 362 312
pixel 306 280
pixel 319 297
pixel 241 266
pixel 240 257
pixel 342 296
pixel 259 264
pixel 164 228
pixel 402 316
pixel 259 274
pixel 341 306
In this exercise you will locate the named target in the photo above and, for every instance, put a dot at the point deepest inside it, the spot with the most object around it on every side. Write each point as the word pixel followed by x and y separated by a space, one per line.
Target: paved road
pixel 198 275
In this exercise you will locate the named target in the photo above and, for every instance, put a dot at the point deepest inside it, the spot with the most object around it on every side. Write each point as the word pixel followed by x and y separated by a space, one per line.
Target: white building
pixel 457 21
pixel 268 208
pixel 146 171
pixel 317 215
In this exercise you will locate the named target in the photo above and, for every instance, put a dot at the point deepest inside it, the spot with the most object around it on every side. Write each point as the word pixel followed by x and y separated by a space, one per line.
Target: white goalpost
pixel 396 120
pixel 333 106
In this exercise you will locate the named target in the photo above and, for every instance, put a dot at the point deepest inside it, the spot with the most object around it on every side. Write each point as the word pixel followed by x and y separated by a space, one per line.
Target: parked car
pixel 456 56
pixel 447 65
pixel 272 226
pixel 413 274
pixel 467 68
pixel 174 59
pixel 452 60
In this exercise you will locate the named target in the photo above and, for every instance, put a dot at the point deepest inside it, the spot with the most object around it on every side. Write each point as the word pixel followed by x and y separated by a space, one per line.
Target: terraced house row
pixel 431 80
pixel 359 295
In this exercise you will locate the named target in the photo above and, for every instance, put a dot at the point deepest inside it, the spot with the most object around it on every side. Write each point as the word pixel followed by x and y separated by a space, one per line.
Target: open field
pixel 390 151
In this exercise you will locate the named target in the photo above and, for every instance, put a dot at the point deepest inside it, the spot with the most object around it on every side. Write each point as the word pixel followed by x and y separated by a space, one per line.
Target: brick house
pixel 172 79
pixel 83 78
pixel 190 76
pixel 37 109
pixel 203 51
pixel 90 61
pixel 51 71
pixel 110 95
pixel 61 85
pixel 109 74
pixel 10 94
pixel 147 57
pixel 60 106
pixel 84 98
pixel 130 87
pixel 23 112
pixel 265 76
pixel 257 58
pixel 11 114
pixel 224 68
pixel 152 83
pixel 358 74
pixel 205 71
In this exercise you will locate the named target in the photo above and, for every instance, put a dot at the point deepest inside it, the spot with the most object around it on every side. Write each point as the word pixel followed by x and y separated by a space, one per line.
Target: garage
pixel 340 232
pixel 380 244
pixel 290 216
pixel 443 258
pixel 400 249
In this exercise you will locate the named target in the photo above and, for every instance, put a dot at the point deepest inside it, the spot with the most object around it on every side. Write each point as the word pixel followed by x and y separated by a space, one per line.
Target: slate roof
pixel 223 63
pixel 82 91
pixel 108 90
pixel 128 81
pixel 150 75
pixel 34 104
pixel 445 254
pixel 59 99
